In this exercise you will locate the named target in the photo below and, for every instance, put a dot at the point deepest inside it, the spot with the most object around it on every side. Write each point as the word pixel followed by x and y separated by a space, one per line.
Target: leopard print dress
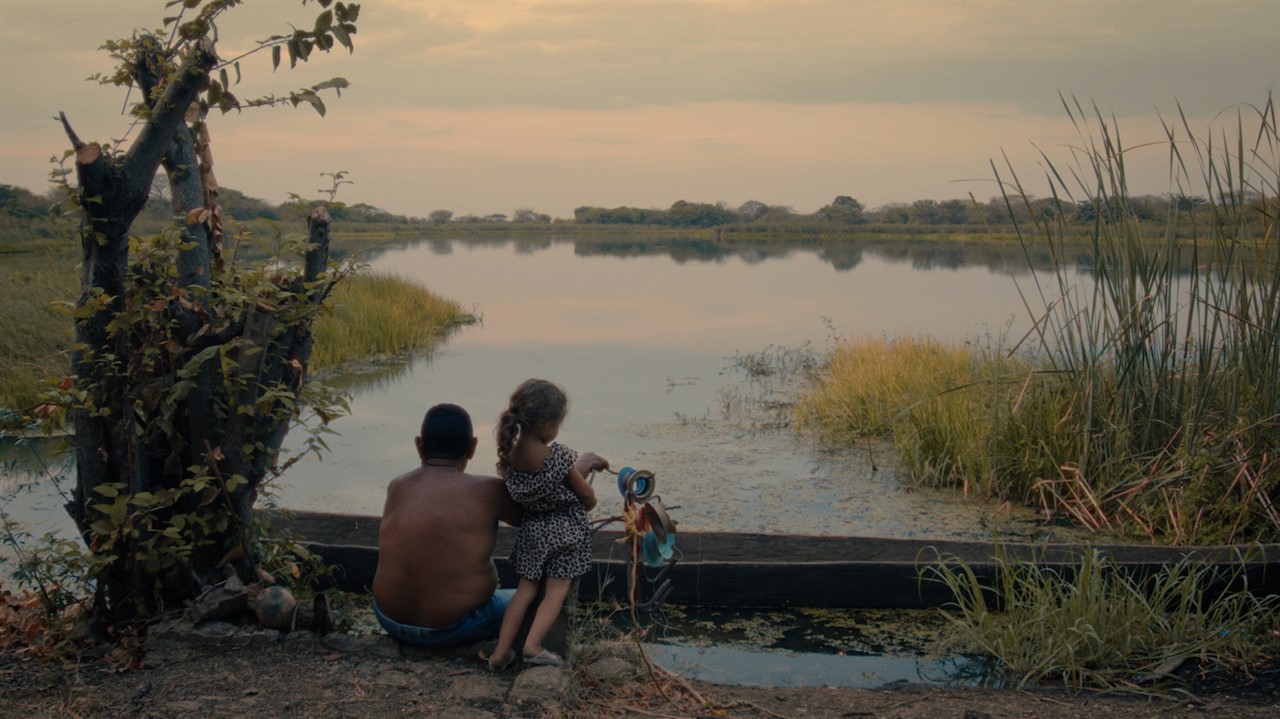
pixel 555 535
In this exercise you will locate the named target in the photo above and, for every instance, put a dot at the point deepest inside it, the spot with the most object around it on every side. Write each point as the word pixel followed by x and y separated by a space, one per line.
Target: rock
pixel 544 686
pixel 219 603
pixel 612 670
pixel 275 608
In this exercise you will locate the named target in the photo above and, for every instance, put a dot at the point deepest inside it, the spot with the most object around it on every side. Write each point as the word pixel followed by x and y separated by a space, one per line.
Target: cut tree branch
pixel 170 110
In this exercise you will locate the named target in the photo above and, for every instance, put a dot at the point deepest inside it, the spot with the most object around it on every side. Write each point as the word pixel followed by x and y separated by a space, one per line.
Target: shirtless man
pixel 436 583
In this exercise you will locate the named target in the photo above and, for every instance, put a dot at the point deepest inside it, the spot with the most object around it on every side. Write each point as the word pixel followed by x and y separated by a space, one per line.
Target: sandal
pixel 544 658
pixel 500 666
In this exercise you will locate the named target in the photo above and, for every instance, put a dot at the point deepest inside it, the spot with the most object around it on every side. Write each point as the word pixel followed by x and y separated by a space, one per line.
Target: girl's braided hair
pixel 535 404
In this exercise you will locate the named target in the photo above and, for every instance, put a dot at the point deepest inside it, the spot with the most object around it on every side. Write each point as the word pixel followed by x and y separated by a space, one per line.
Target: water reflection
pixel 35 480
pixel 643 334
pixel 842 253
pixel 805 647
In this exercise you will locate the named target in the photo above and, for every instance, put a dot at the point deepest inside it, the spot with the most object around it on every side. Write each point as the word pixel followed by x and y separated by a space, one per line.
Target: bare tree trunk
pixel 234 438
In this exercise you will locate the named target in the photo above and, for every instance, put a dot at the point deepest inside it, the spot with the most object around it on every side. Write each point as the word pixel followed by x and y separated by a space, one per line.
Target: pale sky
pixel 485 107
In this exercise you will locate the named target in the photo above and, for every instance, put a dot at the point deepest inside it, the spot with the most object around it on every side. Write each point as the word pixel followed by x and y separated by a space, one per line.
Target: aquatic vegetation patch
pixel 1097 627
pixel 378 315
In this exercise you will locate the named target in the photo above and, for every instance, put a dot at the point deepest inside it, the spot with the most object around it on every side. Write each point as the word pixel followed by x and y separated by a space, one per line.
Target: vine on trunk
pixel 187 371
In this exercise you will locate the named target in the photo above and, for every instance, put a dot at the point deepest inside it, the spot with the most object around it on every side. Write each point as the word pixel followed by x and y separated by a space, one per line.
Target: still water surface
pixel 644 337
pixel 647 336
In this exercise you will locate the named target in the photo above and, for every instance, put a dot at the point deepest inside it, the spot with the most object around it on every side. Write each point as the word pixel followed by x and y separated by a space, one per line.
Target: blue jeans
pixel 479 624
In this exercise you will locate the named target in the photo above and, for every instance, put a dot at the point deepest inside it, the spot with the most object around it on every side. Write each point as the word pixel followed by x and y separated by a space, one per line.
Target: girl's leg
pixel 552 600
pixel 512 618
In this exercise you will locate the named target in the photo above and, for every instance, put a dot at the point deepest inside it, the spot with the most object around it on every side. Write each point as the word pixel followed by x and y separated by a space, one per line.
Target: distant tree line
pixel 17 203
pixel 845 210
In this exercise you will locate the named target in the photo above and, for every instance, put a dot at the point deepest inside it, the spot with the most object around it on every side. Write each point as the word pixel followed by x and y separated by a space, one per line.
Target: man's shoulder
pixel 485 481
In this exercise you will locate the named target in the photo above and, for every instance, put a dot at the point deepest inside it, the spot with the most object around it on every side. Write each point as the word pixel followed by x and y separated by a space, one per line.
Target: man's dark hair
pixel 446 432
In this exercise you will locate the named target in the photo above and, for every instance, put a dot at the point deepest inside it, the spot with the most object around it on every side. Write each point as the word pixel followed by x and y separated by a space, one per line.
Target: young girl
pixel 555 537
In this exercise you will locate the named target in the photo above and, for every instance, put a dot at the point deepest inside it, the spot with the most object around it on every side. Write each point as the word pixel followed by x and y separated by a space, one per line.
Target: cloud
pixel 484 107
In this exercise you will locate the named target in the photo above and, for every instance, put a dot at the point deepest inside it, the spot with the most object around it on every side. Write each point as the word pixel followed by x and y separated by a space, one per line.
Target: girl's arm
pixel 579 485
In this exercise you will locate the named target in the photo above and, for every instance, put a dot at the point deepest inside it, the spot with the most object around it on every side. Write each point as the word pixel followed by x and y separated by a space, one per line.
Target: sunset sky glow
pixel 485 107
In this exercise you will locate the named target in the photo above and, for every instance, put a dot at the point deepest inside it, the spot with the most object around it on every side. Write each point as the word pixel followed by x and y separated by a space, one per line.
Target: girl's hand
pixel 589 462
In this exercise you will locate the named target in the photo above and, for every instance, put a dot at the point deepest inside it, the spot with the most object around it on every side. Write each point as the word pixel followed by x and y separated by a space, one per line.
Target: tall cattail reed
pixel 1172 377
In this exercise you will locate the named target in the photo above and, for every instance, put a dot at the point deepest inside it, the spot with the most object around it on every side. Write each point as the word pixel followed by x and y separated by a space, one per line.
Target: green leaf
pixel 143 499
pixel 275 57
pixel 308 97
pixel 343 37
pixel 337 84
pixel 324 22
pixel 115 511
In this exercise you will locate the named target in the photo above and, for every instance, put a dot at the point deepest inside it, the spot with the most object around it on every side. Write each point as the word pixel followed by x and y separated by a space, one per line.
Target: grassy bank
pixel 1146 398
pixel 378 316
pixel 372 317
pixel 34 336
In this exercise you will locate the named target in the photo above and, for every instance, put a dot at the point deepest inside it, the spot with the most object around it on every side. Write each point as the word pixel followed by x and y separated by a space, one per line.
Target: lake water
pixel 647 338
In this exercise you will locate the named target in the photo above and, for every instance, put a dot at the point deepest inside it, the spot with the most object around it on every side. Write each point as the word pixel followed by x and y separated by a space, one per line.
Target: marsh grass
pixel 1097 627
pixel 382 316
pixel 1172 418
pixel 866 385
pixel 34 336
pixel 1146 397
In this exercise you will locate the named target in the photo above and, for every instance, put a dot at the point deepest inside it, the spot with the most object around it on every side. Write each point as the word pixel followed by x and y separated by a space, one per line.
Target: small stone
pixel 275 608
pixel 612 670
pixel 540 685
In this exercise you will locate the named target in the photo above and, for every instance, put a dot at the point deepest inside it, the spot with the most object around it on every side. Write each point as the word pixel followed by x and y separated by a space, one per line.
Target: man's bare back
pixel 435 546
pixel 435 583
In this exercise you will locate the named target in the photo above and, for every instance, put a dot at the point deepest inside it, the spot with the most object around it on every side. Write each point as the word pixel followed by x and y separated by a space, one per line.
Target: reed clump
pixel 1094 626
pixel 1146 397
pixel 382 316
pixel 35 337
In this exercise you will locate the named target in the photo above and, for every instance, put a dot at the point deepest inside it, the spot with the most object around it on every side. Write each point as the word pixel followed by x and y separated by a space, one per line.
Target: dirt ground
pixel 220 671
